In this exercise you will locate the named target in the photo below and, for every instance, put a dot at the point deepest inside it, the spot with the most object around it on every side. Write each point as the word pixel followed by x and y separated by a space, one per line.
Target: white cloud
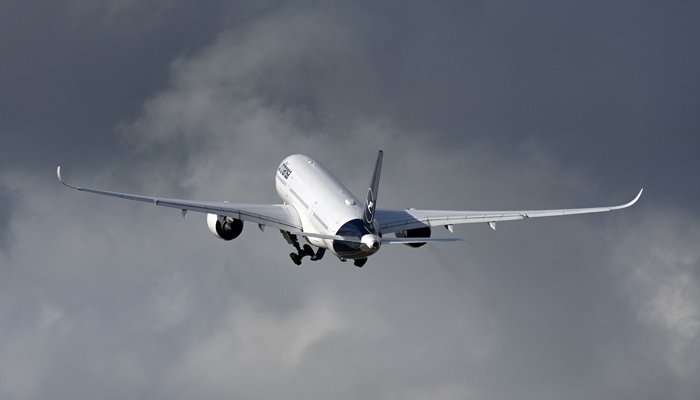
pixel 662 263
pixel 249 345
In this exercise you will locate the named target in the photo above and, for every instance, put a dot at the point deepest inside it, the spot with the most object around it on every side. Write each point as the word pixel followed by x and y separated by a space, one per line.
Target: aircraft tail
pixel 372 192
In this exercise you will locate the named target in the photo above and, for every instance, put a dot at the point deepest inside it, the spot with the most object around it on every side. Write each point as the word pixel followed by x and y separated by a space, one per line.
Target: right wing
pixel 281 216
pixel 401 220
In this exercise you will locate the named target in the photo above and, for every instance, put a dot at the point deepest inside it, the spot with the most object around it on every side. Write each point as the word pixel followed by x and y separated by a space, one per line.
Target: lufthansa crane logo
pixel 369 211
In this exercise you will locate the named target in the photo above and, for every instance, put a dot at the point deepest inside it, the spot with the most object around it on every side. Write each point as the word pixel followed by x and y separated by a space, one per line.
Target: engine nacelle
pixel 415 233
pixel 225 228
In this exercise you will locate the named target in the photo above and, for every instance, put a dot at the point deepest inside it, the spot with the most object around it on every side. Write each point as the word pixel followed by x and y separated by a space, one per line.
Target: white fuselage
pixel 324 204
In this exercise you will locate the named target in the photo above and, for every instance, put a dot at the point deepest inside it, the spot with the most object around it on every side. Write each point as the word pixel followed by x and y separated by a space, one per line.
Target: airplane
pixel 320 209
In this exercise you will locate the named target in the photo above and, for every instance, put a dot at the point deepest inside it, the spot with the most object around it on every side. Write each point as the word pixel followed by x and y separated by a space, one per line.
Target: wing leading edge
pixel 281 216
pixel 400 220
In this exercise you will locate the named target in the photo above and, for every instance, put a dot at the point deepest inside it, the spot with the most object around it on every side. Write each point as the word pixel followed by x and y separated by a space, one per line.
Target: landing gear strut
pixel 302 252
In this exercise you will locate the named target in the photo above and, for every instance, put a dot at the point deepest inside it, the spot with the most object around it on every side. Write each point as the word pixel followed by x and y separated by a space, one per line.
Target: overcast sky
pixel 477 105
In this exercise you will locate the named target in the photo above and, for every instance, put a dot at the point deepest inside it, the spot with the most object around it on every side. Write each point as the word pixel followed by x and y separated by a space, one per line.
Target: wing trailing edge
pixel 398 220
pixel 282 216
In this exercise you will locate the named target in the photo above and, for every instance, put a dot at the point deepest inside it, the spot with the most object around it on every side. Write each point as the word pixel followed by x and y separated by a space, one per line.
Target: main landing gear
pixel 359 262
pixel 302 252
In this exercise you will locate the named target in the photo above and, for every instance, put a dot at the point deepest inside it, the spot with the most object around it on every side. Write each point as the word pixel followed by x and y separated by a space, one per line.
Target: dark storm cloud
pixel 589 81
pixel 72 70
pixel 477 105
pixel 6 204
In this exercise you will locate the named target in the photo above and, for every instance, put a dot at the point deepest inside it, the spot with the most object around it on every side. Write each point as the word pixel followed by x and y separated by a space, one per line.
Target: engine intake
pixel 225 228
pixel 415 233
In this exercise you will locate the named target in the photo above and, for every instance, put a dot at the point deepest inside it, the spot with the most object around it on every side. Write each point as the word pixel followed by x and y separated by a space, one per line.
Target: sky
pixel 477 105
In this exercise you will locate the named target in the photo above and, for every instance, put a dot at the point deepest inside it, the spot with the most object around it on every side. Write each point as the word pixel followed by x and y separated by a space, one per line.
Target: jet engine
pixel 225 228
pixel 414 233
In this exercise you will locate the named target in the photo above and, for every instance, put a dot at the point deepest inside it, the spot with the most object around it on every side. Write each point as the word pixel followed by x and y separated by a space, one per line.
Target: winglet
pixel 631 202
pixel 638 196
pixel 60 179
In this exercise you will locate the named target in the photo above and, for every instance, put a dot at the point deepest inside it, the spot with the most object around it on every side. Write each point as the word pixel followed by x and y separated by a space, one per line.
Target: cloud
pixel 6 206
pixel 103 296
pixel 662 265
pixel 230 357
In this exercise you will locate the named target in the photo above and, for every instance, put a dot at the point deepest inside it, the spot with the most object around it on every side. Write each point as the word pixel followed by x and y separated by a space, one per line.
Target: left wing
pixel 281 216
pixel 400 220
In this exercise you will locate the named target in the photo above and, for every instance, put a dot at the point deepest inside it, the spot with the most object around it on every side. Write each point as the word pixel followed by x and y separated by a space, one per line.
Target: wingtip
pixel 629 204
pixel 58 174
pixel 636 198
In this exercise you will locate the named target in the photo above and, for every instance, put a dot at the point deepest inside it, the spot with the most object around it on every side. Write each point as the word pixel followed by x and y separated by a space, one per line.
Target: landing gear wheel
pixel 360 262
pixel 295 258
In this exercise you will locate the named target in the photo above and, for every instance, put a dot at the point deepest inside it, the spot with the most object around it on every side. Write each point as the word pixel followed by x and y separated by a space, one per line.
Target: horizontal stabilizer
pixel 328 237
pixel 418 240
